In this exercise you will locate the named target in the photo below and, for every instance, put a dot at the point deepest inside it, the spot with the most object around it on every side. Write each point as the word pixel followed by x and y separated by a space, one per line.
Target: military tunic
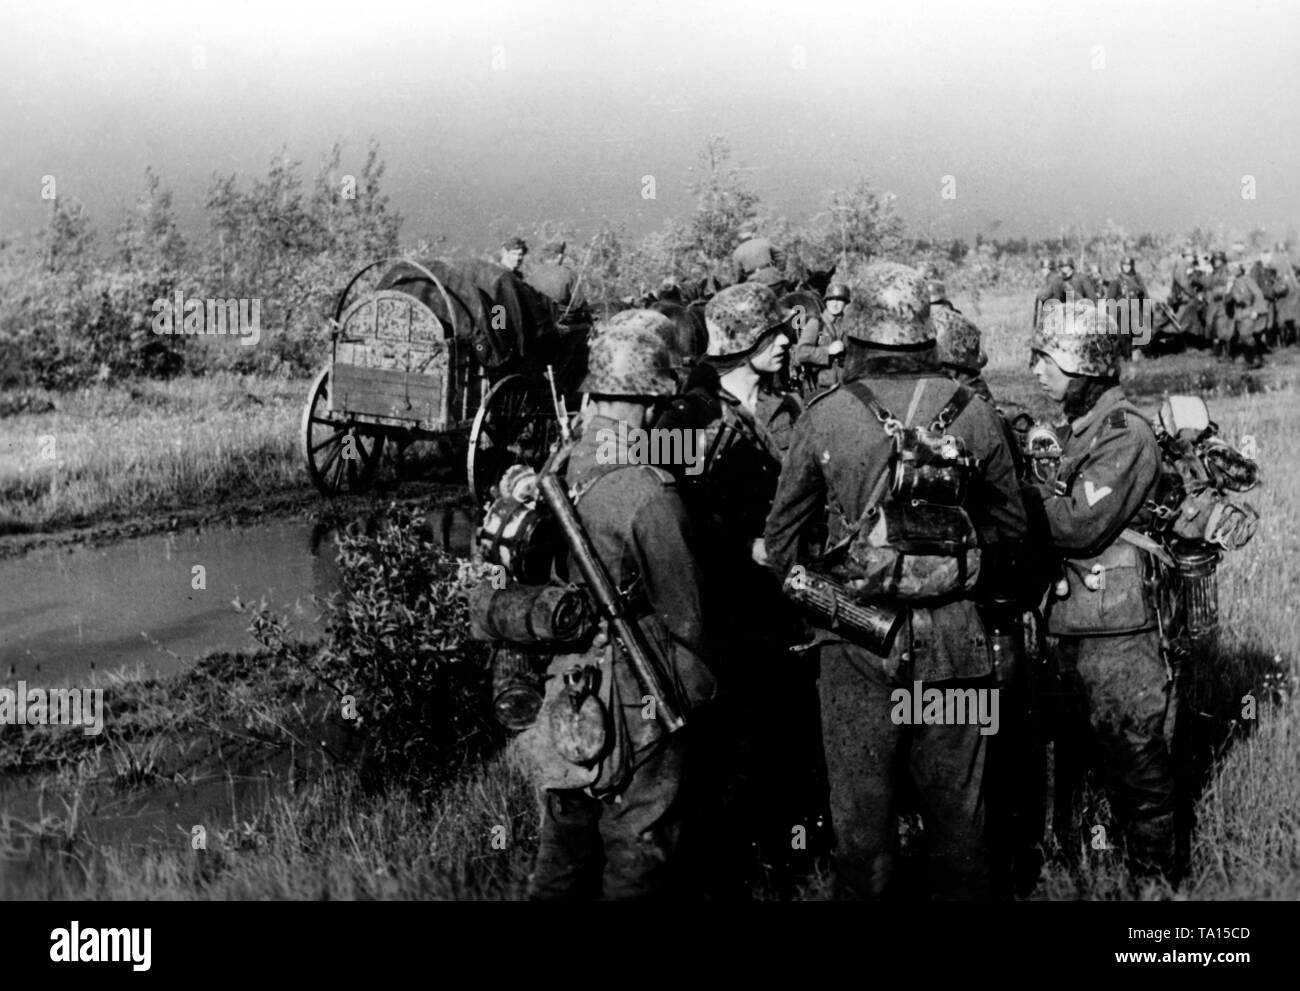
pixel 758 259
pixel 1059 287
pixel 1117 691
pixel 812 355
pixel 1286 289
pixel 837 453
pixel 621 837
pixel 555 281
pixel 1184 299
pixel 764 752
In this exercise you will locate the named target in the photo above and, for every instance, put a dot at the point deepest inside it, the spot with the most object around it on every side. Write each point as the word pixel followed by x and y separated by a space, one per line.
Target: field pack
pixel 914 542
pixel 1194 518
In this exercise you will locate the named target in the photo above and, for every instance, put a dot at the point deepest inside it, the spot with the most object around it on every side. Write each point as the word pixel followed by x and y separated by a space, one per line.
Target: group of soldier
pixel 788 717
pixel 1234 308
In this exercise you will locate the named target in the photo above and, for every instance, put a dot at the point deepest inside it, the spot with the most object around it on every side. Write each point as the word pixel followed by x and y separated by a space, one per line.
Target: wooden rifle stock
pixel 608 600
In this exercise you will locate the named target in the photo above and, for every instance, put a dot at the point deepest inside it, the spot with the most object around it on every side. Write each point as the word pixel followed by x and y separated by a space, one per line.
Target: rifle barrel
pixel 611 604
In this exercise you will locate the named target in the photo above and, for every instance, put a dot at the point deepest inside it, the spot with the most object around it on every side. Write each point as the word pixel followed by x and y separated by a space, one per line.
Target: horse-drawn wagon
pixel 454 352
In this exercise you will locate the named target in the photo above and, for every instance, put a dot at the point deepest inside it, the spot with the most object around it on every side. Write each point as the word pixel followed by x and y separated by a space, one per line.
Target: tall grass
pixel 120 450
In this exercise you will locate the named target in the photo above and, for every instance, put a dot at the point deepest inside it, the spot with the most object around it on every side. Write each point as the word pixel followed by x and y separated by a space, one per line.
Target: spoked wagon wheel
pixel 515 424
pixel 340 456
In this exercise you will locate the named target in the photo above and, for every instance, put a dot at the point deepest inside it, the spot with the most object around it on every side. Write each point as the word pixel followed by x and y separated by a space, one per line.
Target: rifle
pixel 611 603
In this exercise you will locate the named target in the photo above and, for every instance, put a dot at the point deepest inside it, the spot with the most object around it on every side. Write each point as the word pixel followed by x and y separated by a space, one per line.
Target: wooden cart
pixel 403 367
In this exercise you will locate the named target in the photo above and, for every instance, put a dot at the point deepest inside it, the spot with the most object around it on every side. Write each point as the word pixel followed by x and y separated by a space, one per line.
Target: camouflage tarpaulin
pixel 496 311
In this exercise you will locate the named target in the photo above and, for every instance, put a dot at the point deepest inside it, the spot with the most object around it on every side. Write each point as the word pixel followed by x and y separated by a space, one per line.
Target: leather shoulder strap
pixel 953 408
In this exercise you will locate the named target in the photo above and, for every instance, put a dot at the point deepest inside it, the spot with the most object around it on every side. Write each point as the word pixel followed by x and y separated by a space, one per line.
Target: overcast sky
pixel 1046 115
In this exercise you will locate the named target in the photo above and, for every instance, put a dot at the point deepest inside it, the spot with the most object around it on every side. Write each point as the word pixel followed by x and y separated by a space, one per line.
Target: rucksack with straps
pixel 914 542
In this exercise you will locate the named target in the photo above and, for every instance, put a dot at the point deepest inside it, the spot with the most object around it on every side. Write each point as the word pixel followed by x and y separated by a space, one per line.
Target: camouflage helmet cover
pixel 739 316
pixel 838 290
pixel 957 340
pixel 1081 338
pixel 629 356
pixel 891 306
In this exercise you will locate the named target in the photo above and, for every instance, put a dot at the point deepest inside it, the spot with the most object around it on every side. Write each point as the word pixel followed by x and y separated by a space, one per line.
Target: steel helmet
pixel 937 290
pixel 838 290
pixel 739 317
pixel 629 356
pixel 891 306
pixel 1081 338
pixel 1064 261
pixel 957 340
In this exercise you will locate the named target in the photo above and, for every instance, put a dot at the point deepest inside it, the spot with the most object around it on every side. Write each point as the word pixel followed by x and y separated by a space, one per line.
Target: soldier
pixel 756 259
pixel 555 279
pixel 512 253
pixel 1236 306
pixel 1213 286
pixel 838 453
pixel 1248 314
pixel 1265 276
pixel 766 725
pixel 1016 771
pixel 1062 285
pixel 1096 278
pixel 820 351
pixel 1118 691
pixel 620 834
pixel 1184 299
pixel 1286 290
pixel 1128 286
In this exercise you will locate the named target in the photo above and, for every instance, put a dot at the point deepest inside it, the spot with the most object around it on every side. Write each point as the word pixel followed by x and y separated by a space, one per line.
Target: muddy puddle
pixel 160 602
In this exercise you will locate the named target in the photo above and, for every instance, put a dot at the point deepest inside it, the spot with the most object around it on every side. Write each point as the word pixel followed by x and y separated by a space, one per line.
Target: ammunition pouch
pixel 1106 595
pixel 1004 627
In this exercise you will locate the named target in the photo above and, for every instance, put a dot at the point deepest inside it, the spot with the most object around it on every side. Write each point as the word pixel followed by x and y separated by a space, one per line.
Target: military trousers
pixel 619 847
pixel 1117 716
pixel 869 758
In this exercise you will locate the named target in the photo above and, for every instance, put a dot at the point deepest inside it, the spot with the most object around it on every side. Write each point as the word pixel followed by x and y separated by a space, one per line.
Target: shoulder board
pixel 1116 419
pixel 821 395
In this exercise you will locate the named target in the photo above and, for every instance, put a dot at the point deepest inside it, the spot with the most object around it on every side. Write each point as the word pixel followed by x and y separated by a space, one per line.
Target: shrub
pixel 396 640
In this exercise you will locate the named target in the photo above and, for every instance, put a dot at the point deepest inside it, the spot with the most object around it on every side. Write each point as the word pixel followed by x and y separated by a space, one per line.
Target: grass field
pixel 326 837
pixel 146 447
